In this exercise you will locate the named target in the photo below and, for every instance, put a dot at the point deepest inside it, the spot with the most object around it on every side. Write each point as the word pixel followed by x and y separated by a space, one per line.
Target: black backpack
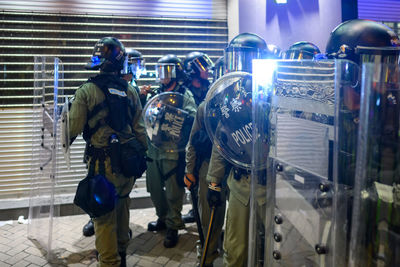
pixel 120 107
pixel 130 159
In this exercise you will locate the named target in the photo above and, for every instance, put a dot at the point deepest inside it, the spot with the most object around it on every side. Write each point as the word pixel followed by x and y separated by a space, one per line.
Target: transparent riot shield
pixel 375 234
pixel 301 119
pixel 44 210
pixel 228 118
pixel 167 122
pixel 64 131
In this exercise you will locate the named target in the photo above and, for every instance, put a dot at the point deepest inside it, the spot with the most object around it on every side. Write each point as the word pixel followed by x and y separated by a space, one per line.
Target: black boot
pixel 171 238
pixel 189 217
pixel 88 229
pixel 156 226
pixel 123 259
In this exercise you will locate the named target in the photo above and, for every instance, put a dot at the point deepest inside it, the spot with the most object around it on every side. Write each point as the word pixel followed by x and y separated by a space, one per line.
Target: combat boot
pixel 171 238
pixel 123 259
pixel 88 229
pixel 156 226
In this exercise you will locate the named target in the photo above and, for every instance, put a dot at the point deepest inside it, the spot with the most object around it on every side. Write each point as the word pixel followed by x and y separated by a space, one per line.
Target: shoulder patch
pixel 117 92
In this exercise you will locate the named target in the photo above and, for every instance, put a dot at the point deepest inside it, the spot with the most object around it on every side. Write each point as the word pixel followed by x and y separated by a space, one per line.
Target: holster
pixel 261 175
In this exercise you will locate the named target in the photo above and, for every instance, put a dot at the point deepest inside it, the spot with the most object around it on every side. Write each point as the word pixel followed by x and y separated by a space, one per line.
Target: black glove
pixel 214 195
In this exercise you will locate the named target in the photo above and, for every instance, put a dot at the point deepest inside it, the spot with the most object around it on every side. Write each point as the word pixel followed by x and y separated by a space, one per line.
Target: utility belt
pixel 98 153
pixel 239 172
pixel 179 170
pixel 128 159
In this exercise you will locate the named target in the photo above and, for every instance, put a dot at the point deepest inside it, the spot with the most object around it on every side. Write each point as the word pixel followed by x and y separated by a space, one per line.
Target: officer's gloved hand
pixel 214 195
pixel 189 180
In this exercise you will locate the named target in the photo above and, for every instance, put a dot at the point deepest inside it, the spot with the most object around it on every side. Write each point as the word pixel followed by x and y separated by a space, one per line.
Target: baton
pixel 205 247
pixel 193 194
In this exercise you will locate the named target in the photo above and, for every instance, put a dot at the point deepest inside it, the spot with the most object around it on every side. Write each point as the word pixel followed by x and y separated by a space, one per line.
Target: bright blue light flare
pixel 95 60
pixel 264 71
pixel 281 1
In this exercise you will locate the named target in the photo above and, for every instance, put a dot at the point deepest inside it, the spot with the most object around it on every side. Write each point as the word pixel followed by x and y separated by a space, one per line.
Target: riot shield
pixel 166 121
pixel 298 111
pixel 64 131
pixel 375 234
pixel 228 118
pixel 48 100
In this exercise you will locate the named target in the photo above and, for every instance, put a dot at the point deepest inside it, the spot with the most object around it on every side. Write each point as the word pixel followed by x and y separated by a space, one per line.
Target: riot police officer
pixel 238 57
pixel 365 41
pixel 103 123
pixel 196 65
pixel 360 41
pixel 134 66
pixel 198 152
pixel 165 168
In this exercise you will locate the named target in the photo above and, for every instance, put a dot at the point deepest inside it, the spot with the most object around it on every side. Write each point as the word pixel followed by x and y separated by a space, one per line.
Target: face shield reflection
pixel 203 64
pixel 137 67
pixel 165 71
pixel 385 55
pixel 298 55
pixel 240 59
pixel 218 71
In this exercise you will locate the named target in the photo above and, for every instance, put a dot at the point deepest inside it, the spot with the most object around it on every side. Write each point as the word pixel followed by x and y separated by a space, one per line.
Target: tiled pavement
pixel 73 249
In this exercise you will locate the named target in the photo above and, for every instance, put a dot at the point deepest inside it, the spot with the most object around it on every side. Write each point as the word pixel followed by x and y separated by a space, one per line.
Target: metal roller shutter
pixel 383 10
pixel 387 11
pixel 71 37
pixel 215 9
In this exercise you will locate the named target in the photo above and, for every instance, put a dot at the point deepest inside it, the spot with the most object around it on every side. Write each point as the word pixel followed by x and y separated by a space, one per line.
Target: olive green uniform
pixel 165 192
pixel 204 208
pixel 238 214
pixel 111 229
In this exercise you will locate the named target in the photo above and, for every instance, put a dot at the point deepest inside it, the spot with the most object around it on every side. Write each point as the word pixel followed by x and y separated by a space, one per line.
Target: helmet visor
pixel 298 55
pixel 135 66
pixel 202 63
pixel 165 71
pixel 387 55
pixel 240 59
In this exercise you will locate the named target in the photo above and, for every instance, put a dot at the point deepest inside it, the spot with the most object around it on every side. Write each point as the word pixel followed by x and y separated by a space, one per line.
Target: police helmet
pixel 302 50
pixel 108 55
pixel 197 64
pixel 170 67
pixel 134 63
pixel 242 49
pixel 361 40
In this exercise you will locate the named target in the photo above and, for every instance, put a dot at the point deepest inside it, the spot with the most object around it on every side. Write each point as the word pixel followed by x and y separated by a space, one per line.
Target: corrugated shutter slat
pixel 71 37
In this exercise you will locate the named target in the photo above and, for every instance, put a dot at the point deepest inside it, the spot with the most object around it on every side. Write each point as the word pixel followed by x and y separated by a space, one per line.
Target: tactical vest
pixel 120 107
